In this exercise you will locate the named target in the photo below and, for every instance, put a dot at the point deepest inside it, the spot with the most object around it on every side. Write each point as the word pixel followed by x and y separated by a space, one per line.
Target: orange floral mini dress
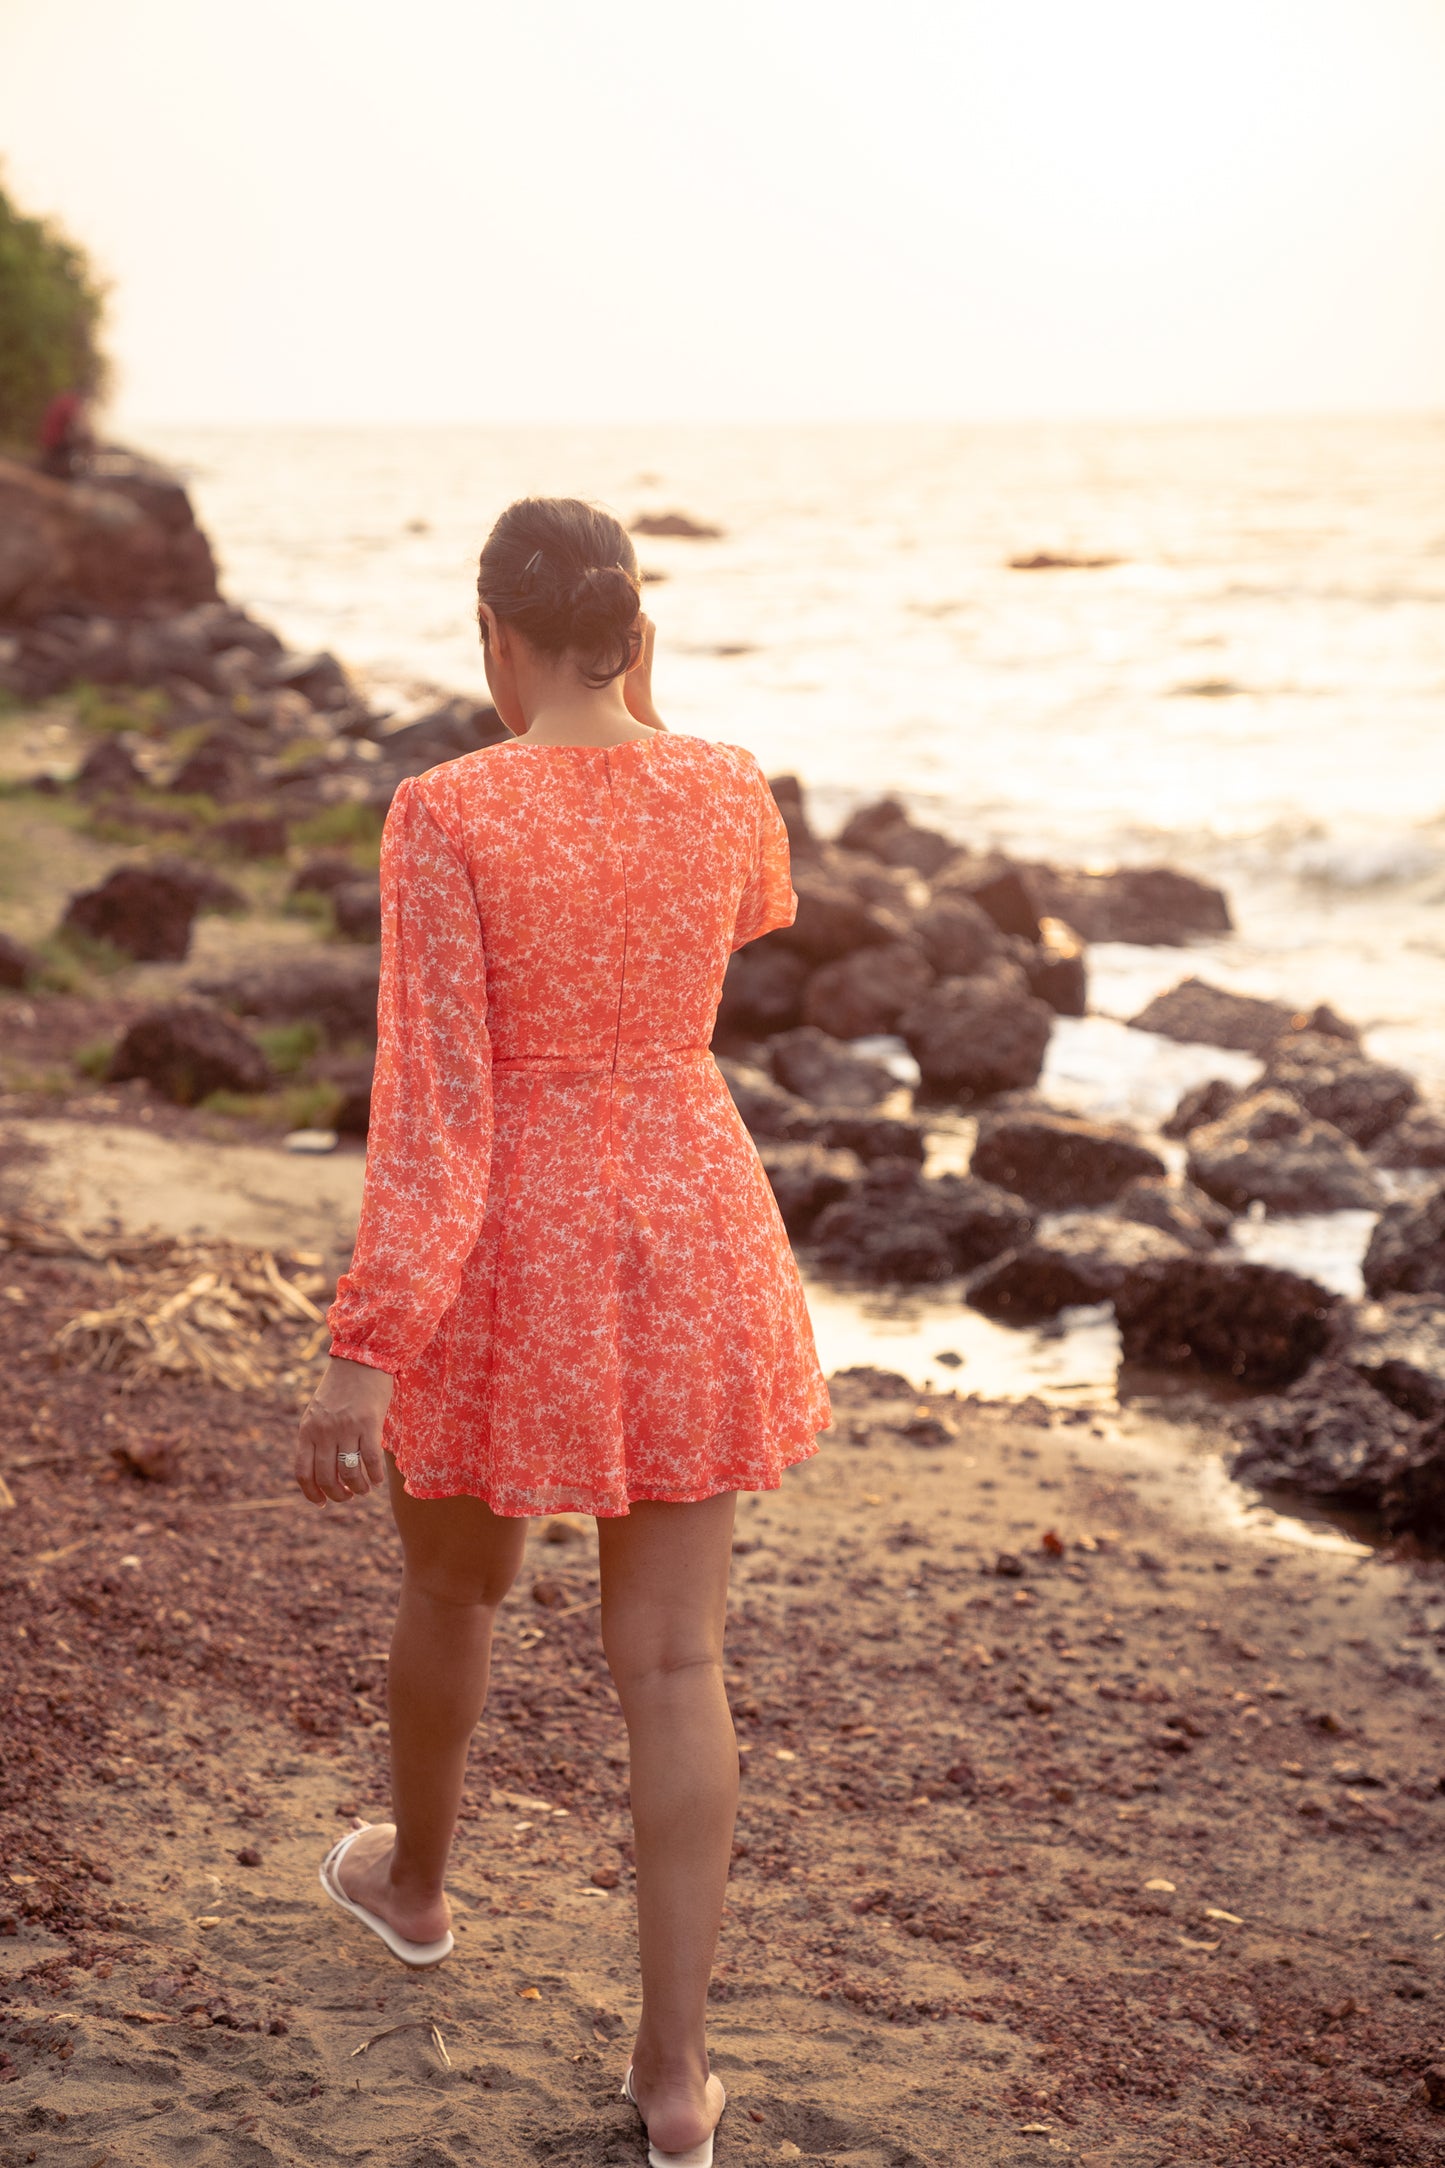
pixel 569 1255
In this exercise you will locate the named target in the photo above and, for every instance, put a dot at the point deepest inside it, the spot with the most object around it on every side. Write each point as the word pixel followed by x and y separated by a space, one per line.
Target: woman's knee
pixel 458 1585
pixel 660 1663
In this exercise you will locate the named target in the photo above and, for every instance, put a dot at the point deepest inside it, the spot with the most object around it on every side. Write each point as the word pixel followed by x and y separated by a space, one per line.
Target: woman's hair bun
pixel 565 574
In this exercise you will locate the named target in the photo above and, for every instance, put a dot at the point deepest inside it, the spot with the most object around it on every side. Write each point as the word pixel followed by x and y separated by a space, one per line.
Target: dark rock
pixel 220 767
pixel 1179 1209
pixel 253 835
pixel 976 1036
pixel 144 910
pixel 456 728
pixel 1206 1015
pixel 1000 889
pixel 1328 1025
pixel 1397 1345
pixel 186 1050
pixel 831 920
pixel 208 889
pixel 680 525
pixel 886 830
pixel 17 965
pixel 762 991
pixel 323 874
pixel 108 766
pixel 1081 1257
pixel 1267 1148
pixel 1203 1103
pixel 1252 1322
pixel 357 907
pixel 767 1110
pixel 1060 561
pixel 1332 1080
pixel 805 1178
pixel 1413 1500
pixel 123 545
pixel 352 1076
pixel 871 1136
pixel 1417 1141
pixel 318 678
pixel 827 1071
pixel 958 937
pixel 1058 1161
pixel 1057 970
pixel 1151 906
pixel 1331 1437
pixel 901 1225
pixel 336 991
pixel 859 995
pixel 1406 1255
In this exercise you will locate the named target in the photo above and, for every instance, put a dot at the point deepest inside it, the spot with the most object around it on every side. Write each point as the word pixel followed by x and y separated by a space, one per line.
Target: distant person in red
pixel 65 435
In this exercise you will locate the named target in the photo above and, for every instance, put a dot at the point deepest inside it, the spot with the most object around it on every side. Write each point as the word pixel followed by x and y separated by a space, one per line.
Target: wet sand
pixel 1074 1825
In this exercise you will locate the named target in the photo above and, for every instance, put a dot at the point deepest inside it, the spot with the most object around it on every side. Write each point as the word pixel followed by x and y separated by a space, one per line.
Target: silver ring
pixel 348 1460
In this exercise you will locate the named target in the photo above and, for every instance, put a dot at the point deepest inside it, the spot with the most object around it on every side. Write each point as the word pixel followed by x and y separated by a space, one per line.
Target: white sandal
pixel 410 1953
pixel 696 2156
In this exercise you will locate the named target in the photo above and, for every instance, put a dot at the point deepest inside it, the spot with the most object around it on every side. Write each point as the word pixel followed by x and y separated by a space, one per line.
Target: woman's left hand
pixel 345 1416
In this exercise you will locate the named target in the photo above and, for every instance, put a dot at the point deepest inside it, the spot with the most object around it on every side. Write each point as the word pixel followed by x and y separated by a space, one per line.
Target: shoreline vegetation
pixel 1131 1847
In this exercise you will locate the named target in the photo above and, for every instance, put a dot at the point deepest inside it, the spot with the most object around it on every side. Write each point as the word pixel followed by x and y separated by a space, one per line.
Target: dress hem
pixel 570 1503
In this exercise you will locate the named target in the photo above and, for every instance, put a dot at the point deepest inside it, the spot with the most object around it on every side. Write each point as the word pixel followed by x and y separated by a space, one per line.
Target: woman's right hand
pixel 637 684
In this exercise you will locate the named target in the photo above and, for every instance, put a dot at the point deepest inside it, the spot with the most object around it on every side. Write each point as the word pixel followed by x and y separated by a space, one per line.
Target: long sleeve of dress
pixel 768 901
pixel 428 1156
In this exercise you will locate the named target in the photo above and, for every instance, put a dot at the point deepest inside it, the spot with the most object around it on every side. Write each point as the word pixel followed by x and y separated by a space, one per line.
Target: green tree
pixel 51 304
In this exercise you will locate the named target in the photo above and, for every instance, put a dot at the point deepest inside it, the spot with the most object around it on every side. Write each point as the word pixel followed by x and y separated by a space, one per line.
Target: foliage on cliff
pixel 51 304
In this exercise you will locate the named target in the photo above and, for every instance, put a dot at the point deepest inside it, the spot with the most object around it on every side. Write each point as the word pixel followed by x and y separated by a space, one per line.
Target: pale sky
pixel 558 210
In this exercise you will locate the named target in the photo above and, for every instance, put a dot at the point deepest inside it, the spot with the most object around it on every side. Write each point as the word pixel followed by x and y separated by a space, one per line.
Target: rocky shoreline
pixel 921 977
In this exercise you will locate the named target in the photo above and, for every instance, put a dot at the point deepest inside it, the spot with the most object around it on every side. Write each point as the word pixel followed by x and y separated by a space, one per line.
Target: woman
pixel 571 1289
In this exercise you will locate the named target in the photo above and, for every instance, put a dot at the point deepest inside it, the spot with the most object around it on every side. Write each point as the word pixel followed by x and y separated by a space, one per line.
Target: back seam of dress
pixel 620 847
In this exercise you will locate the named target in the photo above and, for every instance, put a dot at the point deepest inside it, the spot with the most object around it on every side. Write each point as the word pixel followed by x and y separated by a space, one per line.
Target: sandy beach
pixel 1074 1826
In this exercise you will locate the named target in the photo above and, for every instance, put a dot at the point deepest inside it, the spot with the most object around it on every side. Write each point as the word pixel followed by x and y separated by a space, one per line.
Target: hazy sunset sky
pixel 451 210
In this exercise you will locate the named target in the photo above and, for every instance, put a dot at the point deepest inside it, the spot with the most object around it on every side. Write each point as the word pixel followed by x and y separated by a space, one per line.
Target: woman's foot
pixel 365 1874
pixel 679 2107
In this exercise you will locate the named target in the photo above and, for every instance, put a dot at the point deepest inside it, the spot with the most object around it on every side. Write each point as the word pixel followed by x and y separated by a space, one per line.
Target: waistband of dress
pixel 630 1061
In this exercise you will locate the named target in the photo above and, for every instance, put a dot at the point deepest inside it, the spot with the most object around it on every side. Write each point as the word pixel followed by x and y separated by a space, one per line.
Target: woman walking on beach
pixel 571 1289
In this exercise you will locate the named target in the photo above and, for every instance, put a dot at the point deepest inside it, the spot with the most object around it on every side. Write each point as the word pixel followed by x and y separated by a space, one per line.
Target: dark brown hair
pixel 565 574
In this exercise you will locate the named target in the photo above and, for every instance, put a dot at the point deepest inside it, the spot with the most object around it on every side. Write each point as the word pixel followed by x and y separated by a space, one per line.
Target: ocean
pixel 1253 691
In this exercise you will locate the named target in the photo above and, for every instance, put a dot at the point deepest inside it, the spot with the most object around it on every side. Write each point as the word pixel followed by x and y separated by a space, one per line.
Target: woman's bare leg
pixel 664 1604
pixel 460 1559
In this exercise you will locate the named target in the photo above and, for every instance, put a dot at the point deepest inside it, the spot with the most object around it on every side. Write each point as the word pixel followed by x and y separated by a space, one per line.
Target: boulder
pixel 323 874
pixel 357 908
pixel 787 793
pixel 859 995
pixel 831 919
pixel 1413 1500
pixel 1397 1345
pixel 958 938
pixel 1417 1141
pixel 826 1071
pixel 1256 1323
pixel 252 835
pixel 1203 1103
pixel 1331 1437
pixel 1406 1255
pixel 107 768
pixel 352 1077
pixel 455 728
pixel 1178 1208
pixel 1334 1081
pixel 186 1050
pixel 1151 906
pixel 999 888
pixel 1081 1257
pixel 767 1110
pixel 886 829
pixel 123 545
pixel 805 1178
pixel 1057 970
pixel 145 910
pixel 973 1037
pixel 220 767
pixel 1196 1013
pixel 871 1136
pixel 762 991
pixel 336 991
pixel 898 1224
pixel 1058 1161
pixel 17 965
pixel 681 526
pixel 1268 1149
pixel 318 678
